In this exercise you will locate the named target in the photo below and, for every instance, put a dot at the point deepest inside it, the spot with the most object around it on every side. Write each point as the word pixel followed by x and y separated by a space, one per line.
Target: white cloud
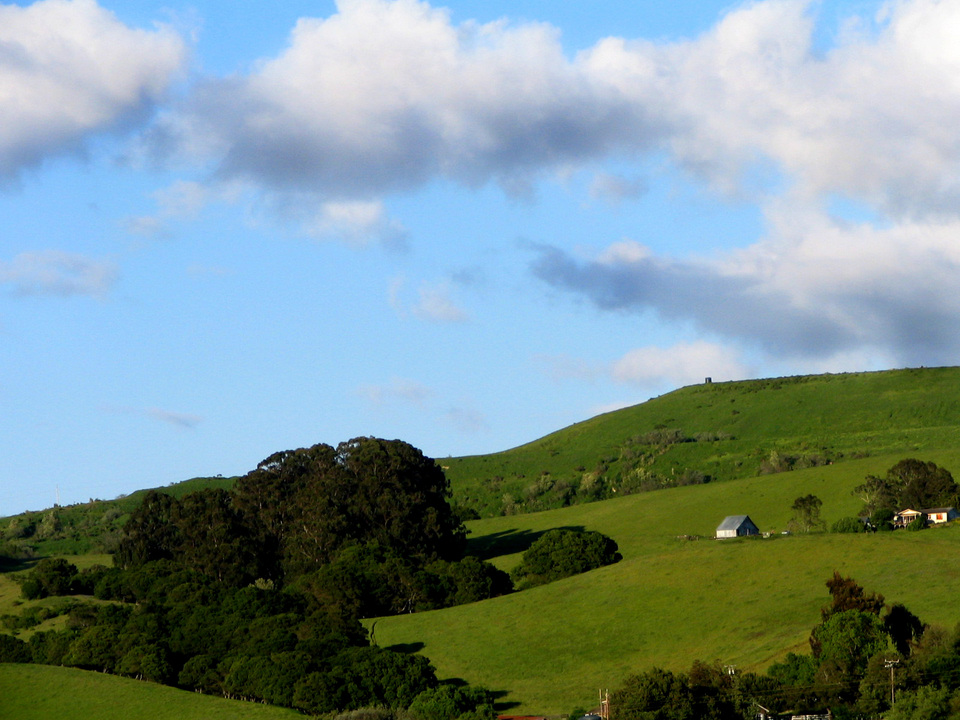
pixel 384 96
pixel 53 272
pixel 434 302
pixel 871 118
pixel 357 222
pixel 679 365
pixel 436 305
pixel 69 68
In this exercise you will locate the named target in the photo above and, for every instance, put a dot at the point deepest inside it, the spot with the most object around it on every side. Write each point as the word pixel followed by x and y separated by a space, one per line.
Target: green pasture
pixel 42 692
pixel 673 598
pixel 670 601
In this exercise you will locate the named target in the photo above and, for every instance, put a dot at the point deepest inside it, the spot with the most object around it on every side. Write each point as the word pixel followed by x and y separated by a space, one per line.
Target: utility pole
pixel 891 664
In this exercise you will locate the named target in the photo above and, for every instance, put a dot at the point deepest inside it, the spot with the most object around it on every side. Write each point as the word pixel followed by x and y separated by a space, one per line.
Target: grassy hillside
pixel 42 692
pixel 726 431
pixel 670 601
pixel 673 600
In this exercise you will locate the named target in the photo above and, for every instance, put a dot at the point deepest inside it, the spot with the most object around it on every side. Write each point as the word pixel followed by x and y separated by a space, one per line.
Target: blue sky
pixel 231 230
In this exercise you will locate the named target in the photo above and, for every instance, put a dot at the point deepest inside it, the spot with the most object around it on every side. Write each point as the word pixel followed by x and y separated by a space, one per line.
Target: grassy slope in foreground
pixel 670 601
pixel 837 417
pixel 42 692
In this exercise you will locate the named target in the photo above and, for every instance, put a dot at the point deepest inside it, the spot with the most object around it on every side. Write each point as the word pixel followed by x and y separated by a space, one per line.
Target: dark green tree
pixel 560 553
pixel 653 695
pixel 151 533
pixel 304 505
pixel 922 484
pixel 14 650
pixel 51 576
pixel 213 539
pixel 401 499
pixel 847 594
pixel 449 702
pixel 844 643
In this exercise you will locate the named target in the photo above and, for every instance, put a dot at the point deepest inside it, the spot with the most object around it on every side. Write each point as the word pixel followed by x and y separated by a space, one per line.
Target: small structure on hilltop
pixel 736 526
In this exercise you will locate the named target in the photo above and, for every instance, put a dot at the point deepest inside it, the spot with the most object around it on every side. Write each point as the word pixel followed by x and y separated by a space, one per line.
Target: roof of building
pixel 732 522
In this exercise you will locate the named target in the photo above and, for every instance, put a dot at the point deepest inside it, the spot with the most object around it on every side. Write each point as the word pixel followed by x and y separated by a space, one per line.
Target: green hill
pixel 42 692
pixel 718 431
pixel 671 600
pixel 674 599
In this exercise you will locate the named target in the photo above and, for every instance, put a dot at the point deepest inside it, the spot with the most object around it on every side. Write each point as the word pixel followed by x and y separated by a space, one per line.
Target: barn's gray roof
pixel 732 522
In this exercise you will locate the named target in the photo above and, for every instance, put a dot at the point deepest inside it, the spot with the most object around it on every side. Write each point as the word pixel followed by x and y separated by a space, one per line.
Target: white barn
pixel 737 526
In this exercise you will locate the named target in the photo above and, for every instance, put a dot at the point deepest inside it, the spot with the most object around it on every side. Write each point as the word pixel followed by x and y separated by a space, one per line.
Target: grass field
pixel 671 601
pixel 42 692
pixel 835 417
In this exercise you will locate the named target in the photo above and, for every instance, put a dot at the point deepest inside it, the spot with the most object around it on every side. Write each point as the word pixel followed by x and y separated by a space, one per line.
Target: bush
pixel 562 553
pixel 51 576
pixel 848 525
pixel 14 650
pixel 882 520
pixel 918 523
pixel 448 702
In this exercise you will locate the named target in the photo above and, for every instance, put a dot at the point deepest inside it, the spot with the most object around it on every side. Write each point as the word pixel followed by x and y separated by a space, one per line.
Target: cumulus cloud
pixel 681 364
pixel 69 68
pixel 384 96
pixel 53 272
pixel 815 288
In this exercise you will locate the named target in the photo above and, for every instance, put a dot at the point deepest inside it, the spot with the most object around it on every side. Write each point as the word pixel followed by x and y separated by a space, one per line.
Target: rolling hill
pixel 673 599
pixel 719 431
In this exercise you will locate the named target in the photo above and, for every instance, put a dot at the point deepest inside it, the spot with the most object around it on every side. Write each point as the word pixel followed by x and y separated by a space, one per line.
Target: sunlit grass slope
pixel 833 417
pixel 43 692
pixel 670 601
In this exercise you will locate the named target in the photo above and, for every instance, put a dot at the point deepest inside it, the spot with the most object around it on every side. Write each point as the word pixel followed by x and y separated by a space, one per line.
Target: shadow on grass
pixel 406 648
pixel 509 542
pixel 8 564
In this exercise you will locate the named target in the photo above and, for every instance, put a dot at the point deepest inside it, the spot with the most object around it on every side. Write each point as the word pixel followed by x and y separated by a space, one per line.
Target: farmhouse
pixel 736 526
pixel 935 516
pixel 905 517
